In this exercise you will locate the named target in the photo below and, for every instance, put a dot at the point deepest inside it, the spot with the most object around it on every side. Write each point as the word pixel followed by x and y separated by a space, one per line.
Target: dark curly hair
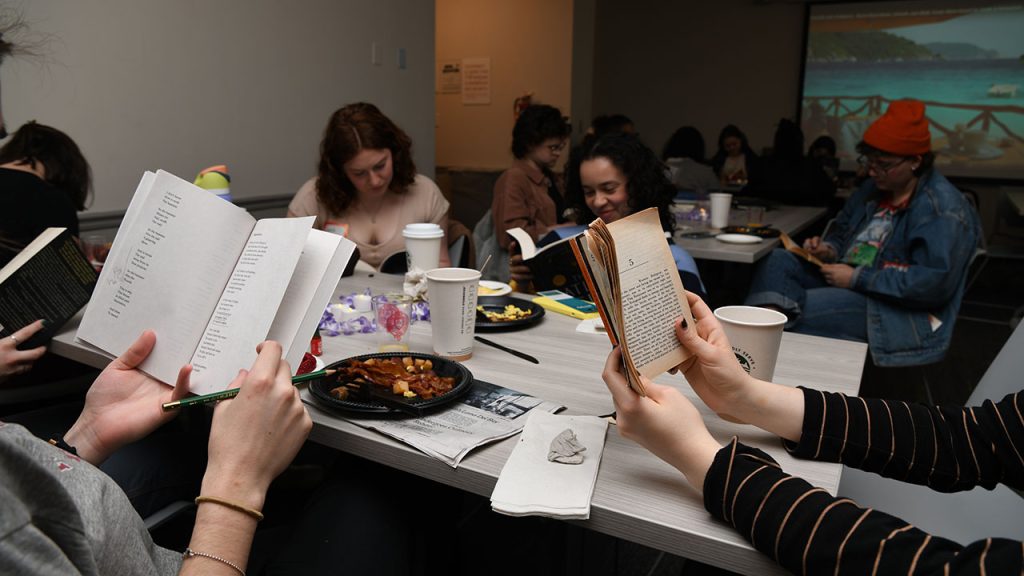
pixel 646 182
pixel 536 124
pixel 66 169
pixel 351 129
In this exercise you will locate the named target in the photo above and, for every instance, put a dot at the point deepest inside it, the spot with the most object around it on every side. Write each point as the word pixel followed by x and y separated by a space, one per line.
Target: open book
pixel 795 248
pixel 49 279
pixel 633 280
pixel 552 265
pixel 211 281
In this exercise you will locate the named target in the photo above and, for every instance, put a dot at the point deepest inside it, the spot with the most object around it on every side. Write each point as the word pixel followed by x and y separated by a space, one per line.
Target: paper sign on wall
pixel 476 81
pixel 449 76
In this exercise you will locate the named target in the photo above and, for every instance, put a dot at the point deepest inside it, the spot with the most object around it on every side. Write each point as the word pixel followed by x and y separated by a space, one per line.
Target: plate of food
pixel 493 288
pixel 503 313
pixel 762 231
pixel 739 238
pixel 392 383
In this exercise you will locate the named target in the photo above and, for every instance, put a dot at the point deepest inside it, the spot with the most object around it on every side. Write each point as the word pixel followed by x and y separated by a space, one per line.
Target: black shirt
pixel 28 205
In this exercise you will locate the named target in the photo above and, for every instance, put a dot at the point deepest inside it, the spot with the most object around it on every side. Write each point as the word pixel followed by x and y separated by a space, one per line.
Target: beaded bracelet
pixel 190 553
pixel 233 505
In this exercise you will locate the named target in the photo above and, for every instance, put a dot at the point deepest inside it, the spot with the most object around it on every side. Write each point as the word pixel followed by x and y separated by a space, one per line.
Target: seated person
pixel 367 188
pixel 897 254
pixel 619 175
pixel 59 514
pixel 803 528
pixel 528 195
pixel 684 156
pixel 44 181
pixel 786 176
pixel 735 159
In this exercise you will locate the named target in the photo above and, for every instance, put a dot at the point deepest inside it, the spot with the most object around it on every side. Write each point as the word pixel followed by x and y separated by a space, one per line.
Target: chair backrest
pixel 461 251
pixel 963 516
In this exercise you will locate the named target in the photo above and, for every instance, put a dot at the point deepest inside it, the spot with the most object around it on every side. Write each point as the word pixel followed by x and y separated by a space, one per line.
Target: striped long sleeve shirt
pixel 808 531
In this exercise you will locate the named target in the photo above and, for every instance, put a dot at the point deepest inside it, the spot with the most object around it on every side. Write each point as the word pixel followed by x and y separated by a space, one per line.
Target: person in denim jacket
pixel 896 256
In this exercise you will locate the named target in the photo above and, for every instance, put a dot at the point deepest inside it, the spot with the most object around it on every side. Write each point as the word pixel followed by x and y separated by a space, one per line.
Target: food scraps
pixel 510 313
pixel 402 376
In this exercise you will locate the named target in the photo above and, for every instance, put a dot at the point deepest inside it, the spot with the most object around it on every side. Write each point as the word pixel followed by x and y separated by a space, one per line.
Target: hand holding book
pixel 633 280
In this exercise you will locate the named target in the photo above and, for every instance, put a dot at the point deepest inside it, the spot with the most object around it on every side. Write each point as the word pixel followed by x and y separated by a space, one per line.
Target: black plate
pixel 497 304
pixel 321 389
pixel 759 231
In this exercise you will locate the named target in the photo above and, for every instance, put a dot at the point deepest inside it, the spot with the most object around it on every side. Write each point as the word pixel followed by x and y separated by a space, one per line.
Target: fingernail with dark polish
pixel 45 322
pixel 683 324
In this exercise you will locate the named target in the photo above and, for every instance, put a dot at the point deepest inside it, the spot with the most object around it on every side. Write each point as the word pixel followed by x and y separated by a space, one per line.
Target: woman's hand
pixel 124 404
pixel 256 434
pixel 819 249
pixel 518 269
pixel 665 422
pixel 838 275
pixel 726 388
pixel 712 371
pixel 14 362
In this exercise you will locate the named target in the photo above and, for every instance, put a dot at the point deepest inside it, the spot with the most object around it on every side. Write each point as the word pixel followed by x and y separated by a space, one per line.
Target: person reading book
pixel 60 514
pixel 44 181
pixel 366 188
pixel 804 528
pixel 896 257
pixel 619 176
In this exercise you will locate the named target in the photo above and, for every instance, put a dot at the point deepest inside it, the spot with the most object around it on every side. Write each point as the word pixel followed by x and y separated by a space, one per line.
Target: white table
pixel 637 497
pixel 789 219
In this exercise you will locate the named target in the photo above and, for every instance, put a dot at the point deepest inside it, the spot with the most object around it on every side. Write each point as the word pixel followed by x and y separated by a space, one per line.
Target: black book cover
pixel 50 279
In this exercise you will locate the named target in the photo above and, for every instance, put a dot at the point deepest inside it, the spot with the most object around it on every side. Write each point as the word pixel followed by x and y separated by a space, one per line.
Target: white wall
pixel 529 43
pixel 183 84
pixel 707 64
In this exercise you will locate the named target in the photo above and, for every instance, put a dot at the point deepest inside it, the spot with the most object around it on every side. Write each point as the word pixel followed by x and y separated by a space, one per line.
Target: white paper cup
pixel 755 334
pixel 422 245
pixel 720 204
pixel 452 295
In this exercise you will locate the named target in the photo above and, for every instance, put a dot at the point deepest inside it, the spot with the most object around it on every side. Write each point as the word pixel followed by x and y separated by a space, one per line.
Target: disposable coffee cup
pixel 452 294
pixel 422 245
pixel 755 334
pixel 721 202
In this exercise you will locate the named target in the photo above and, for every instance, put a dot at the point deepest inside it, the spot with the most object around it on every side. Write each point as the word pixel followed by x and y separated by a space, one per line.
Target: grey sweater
pixel 61 515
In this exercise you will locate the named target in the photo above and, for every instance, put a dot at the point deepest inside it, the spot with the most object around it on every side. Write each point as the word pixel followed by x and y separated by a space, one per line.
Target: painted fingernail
pixel 45 322
pixel 683 324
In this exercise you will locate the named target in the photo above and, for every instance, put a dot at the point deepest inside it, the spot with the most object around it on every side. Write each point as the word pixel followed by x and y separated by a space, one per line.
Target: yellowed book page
pixel 652 294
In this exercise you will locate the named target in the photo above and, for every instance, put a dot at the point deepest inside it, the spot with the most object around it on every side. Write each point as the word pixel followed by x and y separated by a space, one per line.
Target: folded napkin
pixel 531 485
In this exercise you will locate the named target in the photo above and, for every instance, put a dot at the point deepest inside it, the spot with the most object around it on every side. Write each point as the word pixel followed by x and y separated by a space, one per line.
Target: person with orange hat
pixel 896 256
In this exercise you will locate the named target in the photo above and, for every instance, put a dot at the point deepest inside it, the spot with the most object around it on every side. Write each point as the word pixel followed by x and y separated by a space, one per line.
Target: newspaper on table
pixel 485 414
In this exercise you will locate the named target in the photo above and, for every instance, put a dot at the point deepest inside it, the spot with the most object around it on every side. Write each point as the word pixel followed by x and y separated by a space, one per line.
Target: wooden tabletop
pixel 637 497
pixel 789 219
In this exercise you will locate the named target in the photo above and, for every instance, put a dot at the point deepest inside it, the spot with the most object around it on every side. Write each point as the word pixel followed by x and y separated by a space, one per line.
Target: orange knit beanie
pixel 902 130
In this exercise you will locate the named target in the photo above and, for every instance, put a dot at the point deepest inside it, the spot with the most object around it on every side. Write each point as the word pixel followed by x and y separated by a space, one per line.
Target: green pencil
pixel 232 392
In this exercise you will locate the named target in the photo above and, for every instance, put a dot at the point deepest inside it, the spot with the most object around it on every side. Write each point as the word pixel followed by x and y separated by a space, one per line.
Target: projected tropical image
pixel 966 64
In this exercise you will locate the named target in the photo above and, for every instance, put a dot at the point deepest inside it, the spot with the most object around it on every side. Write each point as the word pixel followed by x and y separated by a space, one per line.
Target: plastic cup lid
pixel 426 230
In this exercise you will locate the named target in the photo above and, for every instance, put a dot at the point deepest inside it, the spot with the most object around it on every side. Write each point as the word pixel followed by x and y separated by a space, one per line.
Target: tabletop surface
pixel 789 219
pixel 637 497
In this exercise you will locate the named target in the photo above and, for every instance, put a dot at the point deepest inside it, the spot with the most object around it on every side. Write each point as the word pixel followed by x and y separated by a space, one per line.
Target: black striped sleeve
pixel 808 531
pixel 949 449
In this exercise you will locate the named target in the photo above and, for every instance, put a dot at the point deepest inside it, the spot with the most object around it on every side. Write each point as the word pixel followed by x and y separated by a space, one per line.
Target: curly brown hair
pixel 351 129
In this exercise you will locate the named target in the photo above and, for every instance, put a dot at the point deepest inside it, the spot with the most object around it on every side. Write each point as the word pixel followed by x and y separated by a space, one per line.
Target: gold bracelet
pixel 233 505
pixel 190 553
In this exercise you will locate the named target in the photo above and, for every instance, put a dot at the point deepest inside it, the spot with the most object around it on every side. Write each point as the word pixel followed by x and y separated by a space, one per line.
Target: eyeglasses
pixel 882 168
pixel 557 147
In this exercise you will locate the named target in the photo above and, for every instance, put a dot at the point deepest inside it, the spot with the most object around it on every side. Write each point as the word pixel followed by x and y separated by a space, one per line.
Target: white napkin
pixel 591 326
pixel 530 485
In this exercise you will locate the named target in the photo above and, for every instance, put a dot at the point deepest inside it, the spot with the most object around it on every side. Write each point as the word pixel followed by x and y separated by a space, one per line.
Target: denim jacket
pixel 916 282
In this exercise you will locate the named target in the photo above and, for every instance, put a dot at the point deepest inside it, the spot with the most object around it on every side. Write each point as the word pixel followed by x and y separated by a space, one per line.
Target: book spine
pixel 581 259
